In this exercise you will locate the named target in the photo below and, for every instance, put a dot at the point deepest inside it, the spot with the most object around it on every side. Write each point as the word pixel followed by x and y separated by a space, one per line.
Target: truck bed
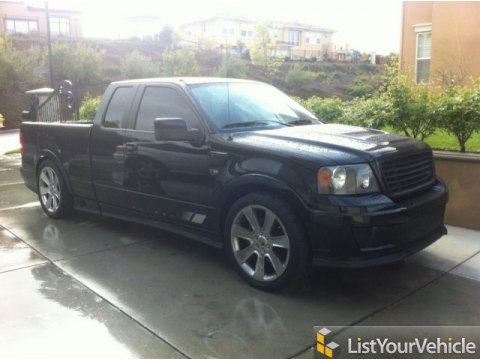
pixel 69 142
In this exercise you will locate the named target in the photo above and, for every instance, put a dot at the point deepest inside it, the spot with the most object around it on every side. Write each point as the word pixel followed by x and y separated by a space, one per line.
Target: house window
pixel 308 36
pixel 424 51
pixel 294 37
pixel 312 38
pixel 13 26
pixel 228 31
pixel 59 26
pixel 248 33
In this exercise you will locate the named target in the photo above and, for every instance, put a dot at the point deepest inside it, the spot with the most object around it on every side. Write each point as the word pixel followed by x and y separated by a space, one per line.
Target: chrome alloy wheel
pixel 49 188
pixel 260 243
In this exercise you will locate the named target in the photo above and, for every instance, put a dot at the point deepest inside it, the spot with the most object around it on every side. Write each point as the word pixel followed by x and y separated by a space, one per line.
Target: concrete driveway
pixel 89 286
pixel 9 140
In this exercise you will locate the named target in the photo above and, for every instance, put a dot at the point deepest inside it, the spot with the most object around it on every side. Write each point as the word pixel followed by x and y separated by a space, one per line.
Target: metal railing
pixel 60 106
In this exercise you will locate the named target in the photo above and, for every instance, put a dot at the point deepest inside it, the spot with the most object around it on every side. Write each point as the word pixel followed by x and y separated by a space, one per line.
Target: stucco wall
pixel 462 176
pixel 455 38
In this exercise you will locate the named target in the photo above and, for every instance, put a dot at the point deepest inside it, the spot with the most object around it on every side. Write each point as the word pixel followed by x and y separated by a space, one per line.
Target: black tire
pixel 285 266
pixel 52 190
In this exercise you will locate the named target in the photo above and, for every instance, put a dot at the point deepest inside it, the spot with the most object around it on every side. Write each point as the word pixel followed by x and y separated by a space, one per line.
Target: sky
pixel 370 26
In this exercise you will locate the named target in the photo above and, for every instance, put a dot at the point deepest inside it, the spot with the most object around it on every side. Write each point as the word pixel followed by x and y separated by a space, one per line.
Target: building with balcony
pixel 292 40
pixel 20 17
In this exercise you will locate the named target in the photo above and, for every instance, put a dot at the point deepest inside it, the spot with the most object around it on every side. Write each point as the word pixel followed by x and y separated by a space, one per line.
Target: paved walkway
pixel 90 286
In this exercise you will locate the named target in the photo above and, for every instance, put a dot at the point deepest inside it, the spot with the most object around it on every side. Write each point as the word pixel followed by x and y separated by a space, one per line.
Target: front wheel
pixel 266 243
pixel 53 193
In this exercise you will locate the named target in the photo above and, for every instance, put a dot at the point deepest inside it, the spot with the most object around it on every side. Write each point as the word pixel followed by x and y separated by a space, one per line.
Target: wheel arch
pixel 49 155
pixel 254 183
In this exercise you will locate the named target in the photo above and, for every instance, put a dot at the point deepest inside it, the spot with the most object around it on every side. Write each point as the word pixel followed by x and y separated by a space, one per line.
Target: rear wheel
pixel 266 243
pixel 53 193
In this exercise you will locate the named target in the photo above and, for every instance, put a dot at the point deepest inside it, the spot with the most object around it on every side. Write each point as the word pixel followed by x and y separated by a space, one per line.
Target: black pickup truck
pixel 241 166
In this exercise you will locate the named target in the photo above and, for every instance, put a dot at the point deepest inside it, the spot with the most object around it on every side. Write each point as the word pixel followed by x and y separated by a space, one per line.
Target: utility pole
pixel 49 44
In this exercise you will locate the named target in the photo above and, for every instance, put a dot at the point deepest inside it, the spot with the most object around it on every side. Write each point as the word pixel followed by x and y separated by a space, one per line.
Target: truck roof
pixel 188 80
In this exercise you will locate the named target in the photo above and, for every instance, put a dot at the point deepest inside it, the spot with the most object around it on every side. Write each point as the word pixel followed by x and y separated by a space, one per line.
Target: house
pixel 22 17
pixel 292 40
pixel 440 41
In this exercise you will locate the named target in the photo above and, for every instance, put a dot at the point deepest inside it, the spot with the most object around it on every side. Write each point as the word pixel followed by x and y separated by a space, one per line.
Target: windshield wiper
pixel 300 122
pixel 253 123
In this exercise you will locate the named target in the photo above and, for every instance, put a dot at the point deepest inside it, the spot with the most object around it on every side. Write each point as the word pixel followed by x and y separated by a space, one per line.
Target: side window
pixel 163 102
pixel 119 104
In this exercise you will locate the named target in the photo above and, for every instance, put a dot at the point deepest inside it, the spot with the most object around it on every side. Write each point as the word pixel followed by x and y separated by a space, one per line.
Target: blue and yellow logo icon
pixel 324 345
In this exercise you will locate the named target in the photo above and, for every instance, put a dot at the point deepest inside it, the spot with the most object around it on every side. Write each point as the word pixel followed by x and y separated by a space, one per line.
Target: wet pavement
pixel 9 140
pixel 91 286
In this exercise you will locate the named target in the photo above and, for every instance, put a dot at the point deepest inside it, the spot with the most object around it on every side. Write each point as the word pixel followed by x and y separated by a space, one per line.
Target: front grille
pixel 407 175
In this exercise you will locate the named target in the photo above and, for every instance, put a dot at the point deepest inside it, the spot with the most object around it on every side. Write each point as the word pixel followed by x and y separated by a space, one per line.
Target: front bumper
pixel 361 239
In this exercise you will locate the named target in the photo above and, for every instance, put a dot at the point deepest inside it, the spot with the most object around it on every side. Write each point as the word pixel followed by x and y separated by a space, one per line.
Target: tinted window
pixel 162 102
pixel 119 104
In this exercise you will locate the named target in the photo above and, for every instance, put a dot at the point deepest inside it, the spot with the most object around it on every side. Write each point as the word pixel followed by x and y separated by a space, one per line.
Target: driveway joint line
pixel 396 301
pixel 55 265
pixel 101 250
pixel 23 267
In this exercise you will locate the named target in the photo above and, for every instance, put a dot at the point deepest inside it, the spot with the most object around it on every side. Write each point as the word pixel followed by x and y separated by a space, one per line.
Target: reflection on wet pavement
pixel 91 286
pixel 46 313
pixel 15 254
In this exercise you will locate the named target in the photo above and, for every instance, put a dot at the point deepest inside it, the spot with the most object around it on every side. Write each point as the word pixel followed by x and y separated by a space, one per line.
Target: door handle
pixel 131 148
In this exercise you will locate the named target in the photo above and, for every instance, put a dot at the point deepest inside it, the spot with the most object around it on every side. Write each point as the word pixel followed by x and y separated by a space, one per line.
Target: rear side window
pixel 119 104
pixel 163 102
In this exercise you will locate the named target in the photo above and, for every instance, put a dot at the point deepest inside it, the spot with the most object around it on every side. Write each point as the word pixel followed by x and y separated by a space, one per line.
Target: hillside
pixel 344 80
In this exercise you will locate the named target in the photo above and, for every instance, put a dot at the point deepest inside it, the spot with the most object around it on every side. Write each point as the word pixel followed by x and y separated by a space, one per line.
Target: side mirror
pixel 175 129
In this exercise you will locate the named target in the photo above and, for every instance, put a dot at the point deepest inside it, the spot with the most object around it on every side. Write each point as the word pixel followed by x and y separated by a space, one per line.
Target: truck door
pixel 166 180
pixel 106 148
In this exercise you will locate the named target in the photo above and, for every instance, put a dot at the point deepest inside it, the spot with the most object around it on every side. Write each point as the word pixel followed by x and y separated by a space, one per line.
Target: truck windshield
pixel 237 105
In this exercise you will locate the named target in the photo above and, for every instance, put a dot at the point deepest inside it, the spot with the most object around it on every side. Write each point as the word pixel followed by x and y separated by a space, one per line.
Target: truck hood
pixel 331 143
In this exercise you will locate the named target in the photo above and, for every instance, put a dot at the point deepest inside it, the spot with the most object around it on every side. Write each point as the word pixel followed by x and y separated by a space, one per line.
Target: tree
pixel 137 65
pixel 166 37
pixel 261 52
pixel 80 63
pixel 19 69
pixel 179 63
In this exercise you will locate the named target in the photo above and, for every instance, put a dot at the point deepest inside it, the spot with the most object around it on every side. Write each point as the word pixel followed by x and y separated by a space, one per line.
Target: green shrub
pixel 232 67
pixel 298 78
pixel 365 85
pixel 412 106
pixel 137 66
pixel 459 111
pixel 89 107
pixel 374 112
pixel 179 63
pixel 329 110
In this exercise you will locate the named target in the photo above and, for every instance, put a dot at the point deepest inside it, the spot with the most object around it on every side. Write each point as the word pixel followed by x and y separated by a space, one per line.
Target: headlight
pixel 346 180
